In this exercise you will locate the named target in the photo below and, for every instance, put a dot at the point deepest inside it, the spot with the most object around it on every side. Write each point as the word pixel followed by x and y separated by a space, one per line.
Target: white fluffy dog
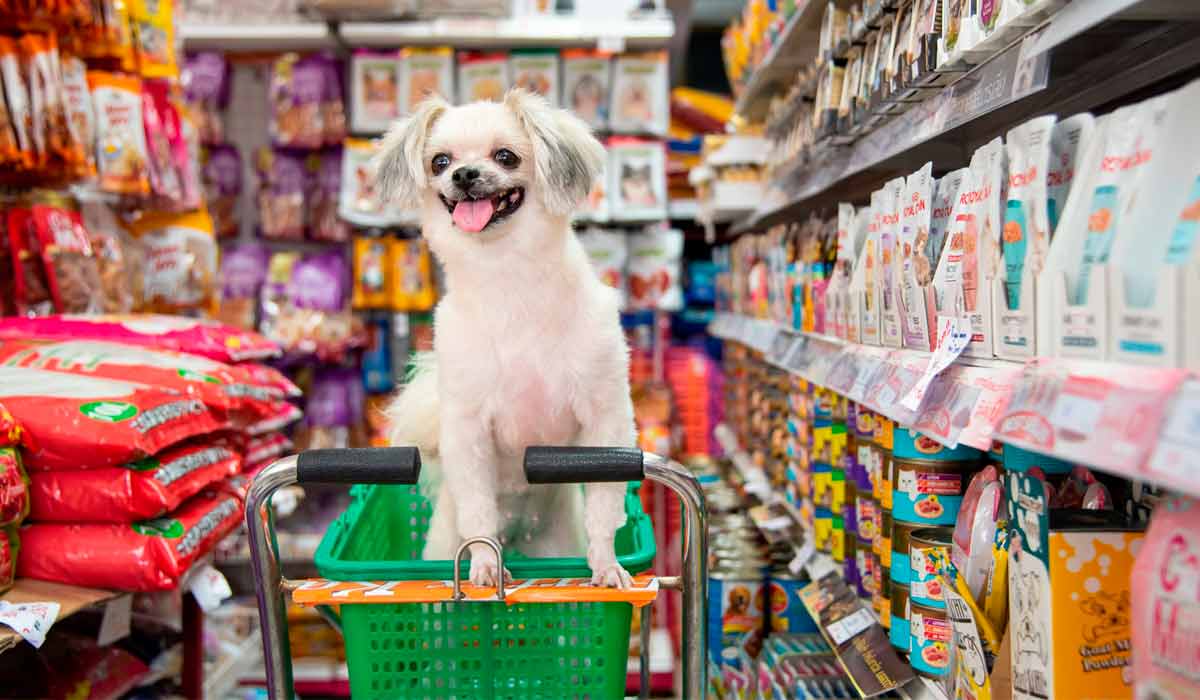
pixel 528 348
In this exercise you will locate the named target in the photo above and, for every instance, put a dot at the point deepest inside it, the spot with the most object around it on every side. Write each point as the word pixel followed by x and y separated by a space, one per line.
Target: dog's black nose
pixel 465 176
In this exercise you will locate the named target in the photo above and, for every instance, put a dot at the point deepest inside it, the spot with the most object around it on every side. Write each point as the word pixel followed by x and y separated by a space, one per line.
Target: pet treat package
pixel 425 72
pixel 864 283
pixel 359 202
pixel 640 94
pixel 147 555
pixel 17 97
pixel 282 185
pixel 1066 630
pixel 482 76
pixel 888 217
pixel 81 119
pixel 374 90
pixel 296 89
pixel 118 255
pixel 587 81
pixel 314 314
pixel 916 296
pixel 536 70
pixel 206 82
pixel 243 273
pixel 637 179
pixel 14 487
pixel 1067 143
pixel 181 261
pixel 333 410
pixel 72 272
pixel 143 489
pixel 31 288
pixel 608 252
pixel 221 173
pixel 595 207
pixel 121 154
pixel 371 273
pixel 655 259
pixel 75 422
pixel 945 194
pixel 324 195
pixel 412 286
pixel 153 24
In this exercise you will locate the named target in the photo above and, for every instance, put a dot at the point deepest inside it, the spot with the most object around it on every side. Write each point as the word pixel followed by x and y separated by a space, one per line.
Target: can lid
pixel 937 536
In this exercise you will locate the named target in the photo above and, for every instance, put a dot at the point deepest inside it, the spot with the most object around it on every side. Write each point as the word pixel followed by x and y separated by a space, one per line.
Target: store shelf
pixel 612 34
pixel 70 599
pixel 683 209
pixel 795 47
pixel 225 677
pixel 288 36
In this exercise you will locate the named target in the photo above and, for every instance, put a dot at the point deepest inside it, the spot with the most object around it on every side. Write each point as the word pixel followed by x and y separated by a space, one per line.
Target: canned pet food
pixel 735 615
pixel 885 602
pixel 823 529
pixel 909 444
pixel 928 492
pixel 885 541
pixel 837 539
pixel 930 634
pixel 900 565
pixel 929 550
pixel 898 610
pixel 864 516
pixel 787 613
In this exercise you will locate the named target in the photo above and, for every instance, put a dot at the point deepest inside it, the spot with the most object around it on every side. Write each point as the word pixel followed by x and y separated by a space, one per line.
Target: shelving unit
pixel 795 47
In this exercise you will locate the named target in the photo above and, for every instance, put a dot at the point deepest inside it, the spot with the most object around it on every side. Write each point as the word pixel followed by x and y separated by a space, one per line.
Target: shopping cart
pixel 546 637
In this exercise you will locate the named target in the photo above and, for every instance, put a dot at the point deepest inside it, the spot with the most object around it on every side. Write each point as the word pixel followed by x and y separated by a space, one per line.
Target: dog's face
pixel 488 170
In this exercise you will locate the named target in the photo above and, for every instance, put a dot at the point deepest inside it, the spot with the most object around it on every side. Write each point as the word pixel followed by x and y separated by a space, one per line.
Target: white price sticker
pixel 850 626
pixel 209 587
pixel 1075 413
pixel 30 620
pixel 803 555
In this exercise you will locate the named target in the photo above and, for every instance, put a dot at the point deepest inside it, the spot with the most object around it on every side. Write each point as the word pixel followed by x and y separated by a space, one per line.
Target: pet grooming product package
pixel 374 90
pixel 482 76
pixel 641 94
pixel 587 83
pixel 637 179
pixel 916 296
pixel 425 72
pixel 1069 597
pixel 536 70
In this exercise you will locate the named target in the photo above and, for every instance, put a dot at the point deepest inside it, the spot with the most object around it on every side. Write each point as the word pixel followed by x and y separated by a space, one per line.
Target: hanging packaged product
pixel 482 76
pixel 164 179
pixel 322 200
pixel 1068 142
pixel 608 251
pixel 637 179
pixel 148 555
pixel 587 80
pixel 372 274
pixel 206 83
pixel 945 195
pixel 536 70
pixel 916 296
pixel 640 94
pixel 222 177
pixel 412 287
pixel 16 93
pixel 184 143
pixel 154 31
pixel 117 254
pixel 300 100
pixel 315 316
pixel 181 256
pixel 282 179
pixel 51 137
pixel 81 120
pixel 374 90
pixel 31 288
pixel 72 273
pixel 14 487
pixel 887 216
pixel 243 273
pixel 143 489
pixel 425 72
pixel 10 548
pixel 655 257
pixel 121 155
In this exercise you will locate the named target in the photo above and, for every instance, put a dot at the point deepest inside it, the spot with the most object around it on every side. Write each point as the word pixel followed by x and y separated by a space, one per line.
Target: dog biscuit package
pixel 640 94
pixel 371 273
pixel 916 297
pixel 206 83
pixel 536 70
pixel 374 90
pixel 637 179
pixel 655 256
pixel 425 72
pixel 587 81
pixel 608 252
pixel 324 194
pixel 181 256
pixel 147 555
pixel 412 287
pixel 482 76
pixel 283 180
pixel 121 155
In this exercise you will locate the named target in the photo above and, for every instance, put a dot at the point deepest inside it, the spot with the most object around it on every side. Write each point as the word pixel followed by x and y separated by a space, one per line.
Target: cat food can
pixel 928 552
pixel 823 529
pixel 837 539
pixel 901 567
pixel 884 607
pixel 735 615
pixel 884 541
pixel 930 638
pixel 866 569
pixel 927 492
pixel 909 444
pixel 864 516
pixel 898 612
pixel 787 613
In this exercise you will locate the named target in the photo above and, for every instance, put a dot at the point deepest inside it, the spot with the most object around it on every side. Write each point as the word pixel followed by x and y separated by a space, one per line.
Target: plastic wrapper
pixel 222 177
pixel 77 101
pixel 72 272
pixel 10 547
pixel 154 33
pixel 121 154
pixel 14 488
pixel 181 261
pixel 325 185
pixel 371 273
pixel 306 102
pixel 10 150
pixel 136 491
pixel 282 184
pixel 655 256
pixel 161 123
pixel 148 555
pixel 31 288
pixel 206 80
pixel 51 137
pixel 216 341
pixel 118 255
pixel 243 272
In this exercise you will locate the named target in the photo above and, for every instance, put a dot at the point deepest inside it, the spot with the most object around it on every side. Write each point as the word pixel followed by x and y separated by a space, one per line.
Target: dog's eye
pixel 506 158
pixel 439 163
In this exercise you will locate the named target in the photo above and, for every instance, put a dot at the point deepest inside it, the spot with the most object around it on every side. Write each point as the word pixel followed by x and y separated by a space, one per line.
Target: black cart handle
pixel 579 465
pixel 359 465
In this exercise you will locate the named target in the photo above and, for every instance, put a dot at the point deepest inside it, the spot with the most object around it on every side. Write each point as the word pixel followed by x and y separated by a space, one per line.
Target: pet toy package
pixel 425 72
pixel 536 70
pixel 637 179
pixel 587 82
pixel 640 94
pixel 655 258
pixel 482 76
pixel 608 251
pixel 374 90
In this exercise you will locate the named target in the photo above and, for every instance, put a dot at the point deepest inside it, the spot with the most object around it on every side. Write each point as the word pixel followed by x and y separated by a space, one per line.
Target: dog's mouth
pixel 474 214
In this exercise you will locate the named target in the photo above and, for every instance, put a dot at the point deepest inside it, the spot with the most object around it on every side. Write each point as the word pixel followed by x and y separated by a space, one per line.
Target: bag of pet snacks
pixel 371 273
pixel 164 180
pixel 147 555
pixel 425 72
pixel 888 216
pixel 536 70
pixel 1068 142
pixel 637 179
pixel 51 137
pixel 121 155
pixel 143 489
pixel 31 287
pixel 655 256
pixel 595 207
pixel 16 93
pixel 266 447
pixel 374 90
pixel 316 318
pixel 916 300
pixel 412 287
pixel 181 257
pixel 482 76
pixel 324 191
pixel 81 120
pixel 360 202
pixel 608 252
pixel 587 79
pixel 333 411
pixel 154 31
pixel 10 547
pixel 333 108
pixel 14 487
pixel 640 99
pixel 296 92
pixel 72 273
pixel 118 255
pixel 185 148
pixel 282 183
pixel 222 177
pixel 206 81
pixel 277 415
pixel 945 194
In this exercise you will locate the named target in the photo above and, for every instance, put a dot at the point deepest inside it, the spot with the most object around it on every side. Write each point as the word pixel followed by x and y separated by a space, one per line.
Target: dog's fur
pixel 528 347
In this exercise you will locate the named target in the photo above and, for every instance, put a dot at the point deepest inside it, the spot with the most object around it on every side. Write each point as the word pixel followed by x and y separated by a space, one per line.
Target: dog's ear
pixel 567 158
pixel 400 164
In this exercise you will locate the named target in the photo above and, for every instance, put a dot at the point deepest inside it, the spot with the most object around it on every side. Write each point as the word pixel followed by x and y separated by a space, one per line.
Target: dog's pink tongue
pixel 473 214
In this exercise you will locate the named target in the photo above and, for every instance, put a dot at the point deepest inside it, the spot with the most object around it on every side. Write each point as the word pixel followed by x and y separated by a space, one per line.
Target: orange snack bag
pixel 120 139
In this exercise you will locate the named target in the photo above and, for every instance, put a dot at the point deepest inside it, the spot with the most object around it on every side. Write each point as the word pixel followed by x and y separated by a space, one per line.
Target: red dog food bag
pixel 14 487
pixel 10 545
pixel 143 489
pixel 213 340
pixel 266 448
pixel 148 555
pixel 77 422
pixel 262 375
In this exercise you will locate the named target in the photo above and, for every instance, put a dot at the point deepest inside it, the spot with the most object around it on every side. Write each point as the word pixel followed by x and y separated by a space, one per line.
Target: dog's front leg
pixel 469 463
pixel 607 421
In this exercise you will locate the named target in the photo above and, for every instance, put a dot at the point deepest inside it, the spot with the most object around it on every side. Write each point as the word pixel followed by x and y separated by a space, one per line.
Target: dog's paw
pixel 485 570
pixel 611 576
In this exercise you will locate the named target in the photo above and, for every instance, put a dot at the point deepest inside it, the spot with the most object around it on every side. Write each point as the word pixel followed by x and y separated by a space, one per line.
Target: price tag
pixel 209 587
pixel 803 555
pixel 1076 413
pixel 954 335
pixel 30 620
pixel 849 626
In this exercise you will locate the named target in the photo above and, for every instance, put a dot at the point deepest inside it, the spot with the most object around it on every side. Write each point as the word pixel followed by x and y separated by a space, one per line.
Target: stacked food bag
pixel 131 429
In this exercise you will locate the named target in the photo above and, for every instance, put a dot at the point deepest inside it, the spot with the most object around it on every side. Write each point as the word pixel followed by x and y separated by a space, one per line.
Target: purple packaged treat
pixel 333 106
pixel 222 175
pixel 205 79
pixel 324 189
pixel 321 282
pixel 297 92
pixel 243 272
pixel 282 184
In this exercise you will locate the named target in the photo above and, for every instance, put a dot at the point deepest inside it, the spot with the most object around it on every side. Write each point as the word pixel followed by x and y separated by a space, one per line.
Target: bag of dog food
pixel 374 90
pixel 282 185
pixel 222 176
pixel 482 76
pixel 266 447
pixel 325 187
pixel 1025 237
pixel 148 555
pixel 181 257
pixel 298 93
pixel 536 70
pixel 14 487
pixel 425 72
pixel 608 252
pixel 412 288
pixel 270 378
pixel 274 416
pixel 587 78
pixel 121 155
pixel 206 81
pixel 143 489
pixel 654 264
pixel 640 93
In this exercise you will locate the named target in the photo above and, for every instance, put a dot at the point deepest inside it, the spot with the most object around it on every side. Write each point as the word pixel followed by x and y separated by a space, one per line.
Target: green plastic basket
pixel 472 651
